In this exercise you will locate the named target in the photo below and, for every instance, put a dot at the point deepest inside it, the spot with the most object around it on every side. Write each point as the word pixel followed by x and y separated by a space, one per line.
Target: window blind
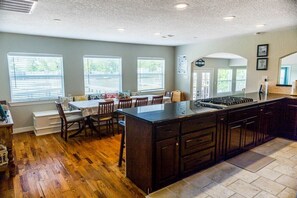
pixel 102 74
pixel 150 74
pixel 35 77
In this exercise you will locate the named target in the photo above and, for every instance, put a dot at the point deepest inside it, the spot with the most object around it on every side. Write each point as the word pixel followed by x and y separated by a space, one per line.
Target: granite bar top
pixel 171 111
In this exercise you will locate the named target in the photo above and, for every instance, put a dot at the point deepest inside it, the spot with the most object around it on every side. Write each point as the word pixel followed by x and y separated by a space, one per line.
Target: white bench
pixel 47 122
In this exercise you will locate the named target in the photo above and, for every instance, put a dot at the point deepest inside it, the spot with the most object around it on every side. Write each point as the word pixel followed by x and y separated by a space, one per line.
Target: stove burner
pixel 222 102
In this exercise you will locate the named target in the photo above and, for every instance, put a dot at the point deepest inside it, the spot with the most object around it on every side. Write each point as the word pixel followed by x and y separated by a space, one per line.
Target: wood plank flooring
pixel 82 167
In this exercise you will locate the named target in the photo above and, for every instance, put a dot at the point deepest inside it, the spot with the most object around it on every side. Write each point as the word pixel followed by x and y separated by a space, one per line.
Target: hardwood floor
pixel 82 167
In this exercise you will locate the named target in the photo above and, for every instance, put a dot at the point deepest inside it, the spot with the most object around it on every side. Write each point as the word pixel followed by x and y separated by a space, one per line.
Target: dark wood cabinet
pixel 269 121
pixel 160 153
pixel 242 130
pixel 167 157
pixel 289 126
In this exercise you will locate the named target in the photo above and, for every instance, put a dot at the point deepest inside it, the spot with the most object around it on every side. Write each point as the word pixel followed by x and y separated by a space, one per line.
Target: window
pixel 102 74
pixel 35 77
pixel 224 81
pixel 150 74
pixel 240 79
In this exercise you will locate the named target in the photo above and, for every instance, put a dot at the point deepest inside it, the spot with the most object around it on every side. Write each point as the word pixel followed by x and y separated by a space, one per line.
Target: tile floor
pixel 277 179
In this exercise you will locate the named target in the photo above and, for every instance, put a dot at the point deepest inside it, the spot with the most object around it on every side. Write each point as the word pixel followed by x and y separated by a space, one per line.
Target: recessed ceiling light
pixel 181 6
pixel 229 18
pixel 121 29
pixel 157 34
pixel 260 25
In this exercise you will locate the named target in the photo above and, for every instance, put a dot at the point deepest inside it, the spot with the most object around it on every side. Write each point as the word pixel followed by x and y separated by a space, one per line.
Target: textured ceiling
pixel 99 19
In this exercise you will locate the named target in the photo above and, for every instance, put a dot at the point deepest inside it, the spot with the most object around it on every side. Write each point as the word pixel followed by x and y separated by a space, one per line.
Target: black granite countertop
pixel 172 111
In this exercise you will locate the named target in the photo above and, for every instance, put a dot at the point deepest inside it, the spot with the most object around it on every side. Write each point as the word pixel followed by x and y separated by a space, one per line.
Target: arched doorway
pixel 221 74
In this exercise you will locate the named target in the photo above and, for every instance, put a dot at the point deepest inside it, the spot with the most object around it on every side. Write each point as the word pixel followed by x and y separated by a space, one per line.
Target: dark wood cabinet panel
pixel 197 161
pixel 242 130
pixel 269 122
pixel 249 133
pixel 222 125
pixel 289 126
pixel 243 113
pixel 167 131
pixel 234 135
pixel 167 157
pixel 196 141
pixel 199 123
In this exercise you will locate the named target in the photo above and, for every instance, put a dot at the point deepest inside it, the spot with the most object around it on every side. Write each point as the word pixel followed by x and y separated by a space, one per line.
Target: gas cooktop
pixel 222 102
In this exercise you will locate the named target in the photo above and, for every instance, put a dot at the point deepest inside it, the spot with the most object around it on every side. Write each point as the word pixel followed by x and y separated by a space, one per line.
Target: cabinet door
pixel 290 123
pixel 272 112
pixel 234 135
pixel 166 161
pixel 249 134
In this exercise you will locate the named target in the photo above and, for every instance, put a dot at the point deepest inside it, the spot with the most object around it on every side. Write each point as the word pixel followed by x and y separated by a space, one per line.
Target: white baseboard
pixel 23 129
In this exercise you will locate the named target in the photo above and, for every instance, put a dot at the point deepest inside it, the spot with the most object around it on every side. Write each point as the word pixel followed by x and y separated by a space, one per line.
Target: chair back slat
pixel 60 110
pixel 157 99
pixel 125 103
pixel 141 102
pixel 106 108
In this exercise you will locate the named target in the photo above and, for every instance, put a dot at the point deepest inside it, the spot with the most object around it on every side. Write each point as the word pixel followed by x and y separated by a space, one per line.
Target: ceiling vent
pixel 24 6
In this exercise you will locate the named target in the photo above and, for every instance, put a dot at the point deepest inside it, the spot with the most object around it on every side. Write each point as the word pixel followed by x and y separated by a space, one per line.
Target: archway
pixel 218 74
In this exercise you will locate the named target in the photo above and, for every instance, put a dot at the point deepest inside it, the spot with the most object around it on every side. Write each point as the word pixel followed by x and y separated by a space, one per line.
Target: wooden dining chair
pixel 123 103
pixel 157 99
pixel 141 102
pixel 67 122
pixel 105 115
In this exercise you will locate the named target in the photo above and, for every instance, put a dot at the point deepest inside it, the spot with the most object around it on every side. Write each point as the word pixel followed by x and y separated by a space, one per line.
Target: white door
pixel 202 83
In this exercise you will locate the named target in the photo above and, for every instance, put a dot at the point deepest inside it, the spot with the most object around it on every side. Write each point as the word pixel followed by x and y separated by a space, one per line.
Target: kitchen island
pixel 167 142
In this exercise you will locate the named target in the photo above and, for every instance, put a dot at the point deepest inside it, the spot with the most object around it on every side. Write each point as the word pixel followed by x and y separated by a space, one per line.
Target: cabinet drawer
pixel 199 123
pixel 199 140
pixel 242 114
pixel 197 161
pixel 167 131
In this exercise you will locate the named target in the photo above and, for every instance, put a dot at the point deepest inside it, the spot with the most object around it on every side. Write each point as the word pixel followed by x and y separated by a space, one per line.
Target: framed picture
pixel 262 63
pixel 262 50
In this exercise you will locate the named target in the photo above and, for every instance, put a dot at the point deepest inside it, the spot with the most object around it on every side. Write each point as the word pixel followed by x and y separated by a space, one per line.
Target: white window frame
pixel 34 100
pixel 234 81
pixel 163 73
pixel 104 56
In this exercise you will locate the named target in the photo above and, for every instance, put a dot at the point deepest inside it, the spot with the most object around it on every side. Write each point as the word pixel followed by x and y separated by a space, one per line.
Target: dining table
pixel 90 107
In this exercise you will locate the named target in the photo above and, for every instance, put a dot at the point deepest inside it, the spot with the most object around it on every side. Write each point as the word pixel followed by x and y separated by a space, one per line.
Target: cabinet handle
pixel 176 144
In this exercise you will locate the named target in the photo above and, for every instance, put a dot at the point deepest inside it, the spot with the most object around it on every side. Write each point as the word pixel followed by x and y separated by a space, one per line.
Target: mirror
pixel 288 69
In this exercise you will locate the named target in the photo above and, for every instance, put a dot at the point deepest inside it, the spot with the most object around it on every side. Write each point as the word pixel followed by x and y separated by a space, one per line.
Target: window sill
pixel 19 104
pixel 155 90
